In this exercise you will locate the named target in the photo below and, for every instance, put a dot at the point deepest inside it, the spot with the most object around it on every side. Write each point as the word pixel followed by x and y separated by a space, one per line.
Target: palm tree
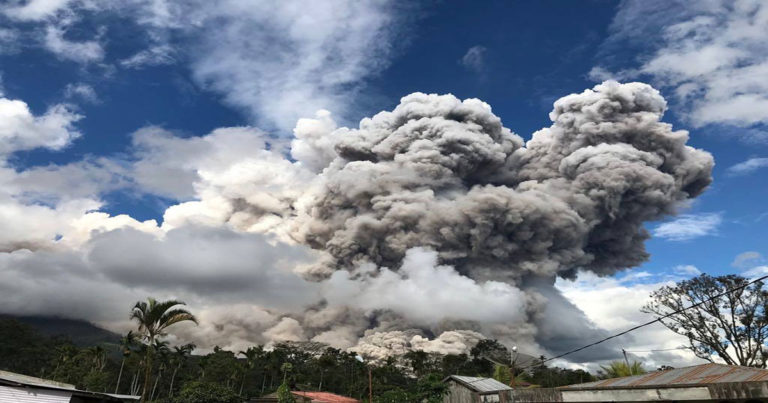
pixel 252 355
pixel 154 318
pixel 142 356
pixel 180 355
pixel 65 353
pixel 286 368
pixel 127 343
pixel 162 350
pixel 618 369
pixel 325 362
pixel 97 356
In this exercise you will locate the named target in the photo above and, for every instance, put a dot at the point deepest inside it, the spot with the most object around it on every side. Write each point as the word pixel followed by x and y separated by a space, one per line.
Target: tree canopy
pixel 181 375
pixel 733 327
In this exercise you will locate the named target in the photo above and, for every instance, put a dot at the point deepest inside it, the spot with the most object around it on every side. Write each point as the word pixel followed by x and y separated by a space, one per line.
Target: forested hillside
pixel 313 366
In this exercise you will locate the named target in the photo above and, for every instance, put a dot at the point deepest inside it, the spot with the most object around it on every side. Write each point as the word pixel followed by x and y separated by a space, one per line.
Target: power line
pixel 659 319
pixel 663 349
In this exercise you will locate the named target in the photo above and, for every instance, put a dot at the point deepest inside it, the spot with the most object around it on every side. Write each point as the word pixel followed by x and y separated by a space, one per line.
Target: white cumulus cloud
pixel 689 226
pixel 20 129
pixel 712 55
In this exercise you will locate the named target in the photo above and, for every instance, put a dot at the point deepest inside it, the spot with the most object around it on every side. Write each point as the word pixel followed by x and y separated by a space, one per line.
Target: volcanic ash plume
pixel 444 174
pixel 437 201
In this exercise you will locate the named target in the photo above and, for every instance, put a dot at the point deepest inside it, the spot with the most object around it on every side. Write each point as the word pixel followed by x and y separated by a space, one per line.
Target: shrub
pixel 284 394
pixel 206 392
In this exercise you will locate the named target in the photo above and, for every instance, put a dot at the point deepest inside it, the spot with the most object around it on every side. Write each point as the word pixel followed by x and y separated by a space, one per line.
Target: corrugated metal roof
pixel 696 375
pixel 481 385
pixel 325 397
pixel 20 394
pixel 19 379
pixel 123 397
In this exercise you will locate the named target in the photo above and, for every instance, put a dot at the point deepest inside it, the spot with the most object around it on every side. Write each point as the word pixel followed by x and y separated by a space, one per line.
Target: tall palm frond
pixel 154 318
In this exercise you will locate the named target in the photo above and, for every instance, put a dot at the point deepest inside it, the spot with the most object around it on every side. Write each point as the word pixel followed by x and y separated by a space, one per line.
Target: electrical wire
pixel 659 319
pixel 663 349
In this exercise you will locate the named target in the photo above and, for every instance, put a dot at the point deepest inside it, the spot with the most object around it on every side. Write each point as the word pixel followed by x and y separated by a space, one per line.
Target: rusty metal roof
pixel 480 385
pixel 325 397
pixel 697 375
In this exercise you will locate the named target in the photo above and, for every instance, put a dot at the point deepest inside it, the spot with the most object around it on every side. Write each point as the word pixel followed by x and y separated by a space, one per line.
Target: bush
pixel 206 392
pixel 96 381
pixel 284 394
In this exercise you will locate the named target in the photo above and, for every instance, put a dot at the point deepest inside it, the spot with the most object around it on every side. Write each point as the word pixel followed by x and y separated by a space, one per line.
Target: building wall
pixel 12 394
pixel 494 398
pixel 538 395
pixel 458 393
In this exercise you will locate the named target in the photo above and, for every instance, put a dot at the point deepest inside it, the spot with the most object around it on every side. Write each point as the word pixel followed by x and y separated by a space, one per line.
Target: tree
pixel 431 389
pixel 502 374
pixel 252 356
pixel 733 326
pixel 98 357
pixel 24 350
pixel 154 318
pixel 325 362
pixel 206 392
pixel 127 343
pixel 618 369
pixel 180 355
pixel 485 354
pixel 286 368
pixel 163 352
pixel 547 377
pixel 284 393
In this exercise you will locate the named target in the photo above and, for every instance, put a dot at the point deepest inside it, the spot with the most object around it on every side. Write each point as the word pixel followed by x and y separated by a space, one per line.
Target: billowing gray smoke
pixel 428 227
pixel 444 174
pixel 441 175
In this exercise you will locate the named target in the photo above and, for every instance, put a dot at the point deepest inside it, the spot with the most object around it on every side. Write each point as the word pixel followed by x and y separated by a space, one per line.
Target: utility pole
pixel 627 361
pixel 513 361
pixel 370 377
pixel 370 385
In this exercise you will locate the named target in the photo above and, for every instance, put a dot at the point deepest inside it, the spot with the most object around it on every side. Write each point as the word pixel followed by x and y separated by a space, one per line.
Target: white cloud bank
pixel 712 55
pixel 275 61
pixel 33 10
pixel 598 296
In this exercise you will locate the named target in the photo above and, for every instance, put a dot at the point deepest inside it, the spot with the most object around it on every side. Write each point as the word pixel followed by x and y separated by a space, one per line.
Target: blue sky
pixel 180 70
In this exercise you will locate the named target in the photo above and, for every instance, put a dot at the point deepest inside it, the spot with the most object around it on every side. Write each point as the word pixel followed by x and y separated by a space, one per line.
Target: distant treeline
pixel 416 376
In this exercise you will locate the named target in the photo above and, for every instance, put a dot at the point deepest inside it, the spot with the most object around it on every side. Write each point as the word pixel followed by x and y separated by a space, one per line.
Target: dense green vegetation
pixel 178 376
pixel 618 369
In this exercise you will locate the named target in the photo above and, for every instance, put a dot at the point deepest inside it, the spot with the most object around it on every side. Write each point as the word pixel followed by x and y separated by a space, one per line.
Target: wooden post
pixel 370 385
pixel 627 361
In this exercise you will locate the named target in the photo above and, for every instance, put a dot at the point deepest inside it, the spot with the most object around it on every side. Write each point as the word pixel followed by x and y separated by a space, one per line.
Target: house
pixel 307 397
pixel 17 388
pixel 469 389
pixel 701 383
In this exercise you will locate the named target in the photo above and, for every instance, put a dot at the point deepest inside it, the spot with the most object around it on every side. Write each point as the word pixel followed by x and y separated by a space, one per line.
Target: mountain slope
pixel 79 332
